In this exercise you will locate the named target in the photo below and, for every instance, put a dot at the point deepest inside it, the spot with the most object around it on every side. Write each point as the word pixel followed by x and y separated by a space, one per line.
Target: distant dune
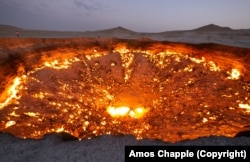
pixel 206 34
pixel 117 30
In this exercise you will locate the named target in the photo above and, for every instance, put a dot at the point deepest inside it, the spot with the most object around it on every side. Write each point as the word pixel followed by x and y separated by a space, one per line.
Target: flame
pixel 10 123
pixel 122 111
pixel 12 92
pixel 138 112
pixel 127 59
pixel 234 75
pixel 118 111
pixel 56 64
pixel 13 113
pixel 60 129
pixel 198 61
pixel 245 106
pixel 213 66
pixel 31 114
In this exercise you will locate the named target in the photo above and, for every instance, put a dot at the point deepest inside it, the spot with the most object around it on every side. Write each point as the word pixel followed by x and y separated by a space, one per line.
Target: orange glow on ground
pixel 149 89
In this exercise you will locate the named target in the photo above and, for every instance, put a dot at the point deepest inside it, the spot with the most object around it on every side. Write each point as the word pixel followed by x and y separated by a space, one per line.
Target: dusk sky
pixel 137 15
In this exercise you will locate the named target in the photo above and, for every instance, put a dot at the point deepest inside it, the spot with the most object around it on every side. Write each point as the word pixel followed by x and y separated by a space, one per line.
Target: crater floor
pixel 148 89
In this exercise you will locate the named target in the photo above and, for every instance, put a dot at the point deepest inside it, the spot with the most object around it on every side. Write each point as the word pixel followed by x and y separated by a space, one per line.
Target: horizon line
pixel 125 28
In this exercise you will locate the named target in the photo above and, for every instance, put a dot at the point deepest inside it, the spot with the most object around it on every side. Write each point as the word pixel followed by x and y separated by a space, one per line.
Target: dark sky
pixel 137 15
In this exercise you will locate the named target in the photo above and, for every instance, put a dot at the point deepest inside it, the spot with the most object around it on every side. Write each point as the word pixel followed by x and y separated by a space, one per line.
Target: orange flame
pixel 234 75
pixel 122 111
pixel 12 92
pixel 118 111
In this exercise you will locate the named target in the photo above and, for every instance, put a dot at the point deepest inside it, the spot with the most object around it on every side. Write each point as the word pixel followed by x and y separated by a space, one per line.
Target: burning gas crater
pixel 167 95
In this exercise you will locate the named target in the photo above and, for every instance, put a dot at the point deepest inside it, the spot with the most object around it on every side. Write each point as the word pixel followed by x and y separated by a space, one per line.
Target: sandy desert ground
pixel 57 147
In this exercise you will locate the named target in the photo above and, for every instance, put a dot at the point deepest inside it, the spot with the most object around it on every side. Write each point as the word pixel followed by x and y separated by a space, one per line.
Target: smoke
pixel 10 67
pixel 10 64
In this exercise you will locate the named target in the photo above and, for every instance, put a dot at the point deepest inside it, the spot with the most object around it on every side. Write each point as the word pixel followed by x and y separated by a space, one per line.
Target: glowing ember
pixel 149 89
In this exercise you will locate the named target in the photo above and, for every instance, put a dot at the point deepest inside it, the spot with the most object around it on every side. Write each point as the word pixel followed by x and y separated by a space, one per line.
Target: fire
pixel 13 113
pixel 156 91
pixel 118 111
pixel 31 114
pixel 58 130
pixel 234 75
pixel 10 123
pixel 197 60
pixel 245 106
pixel 122 111
pixel 11 92
pixel 56 64
pixel 138 112
pixel 213 66
pixel 127 59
